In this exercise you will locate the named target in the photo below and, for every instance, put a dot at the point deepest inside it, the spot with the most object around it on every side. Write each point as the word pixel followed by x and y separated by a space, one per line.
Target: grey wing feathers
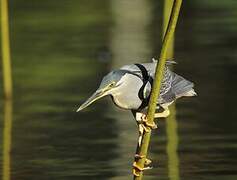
pixel 151 67
pixel 134 69
pixel 181 86
pixel 173 86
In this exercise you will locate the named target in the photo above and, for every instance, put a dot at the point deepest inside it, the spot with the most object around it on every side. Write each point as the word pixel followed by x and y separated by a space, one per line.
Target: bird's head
pixel 108 84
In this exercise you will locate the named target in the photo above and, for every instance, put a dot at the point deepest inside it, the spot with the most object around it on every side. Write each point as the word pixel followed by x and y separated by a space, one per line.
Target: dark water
pixel 60 52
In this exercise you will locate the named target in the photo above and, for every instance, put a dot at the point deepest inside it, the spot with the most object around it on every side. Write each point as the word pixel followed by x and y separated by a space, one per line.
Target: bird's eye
pixel 112 84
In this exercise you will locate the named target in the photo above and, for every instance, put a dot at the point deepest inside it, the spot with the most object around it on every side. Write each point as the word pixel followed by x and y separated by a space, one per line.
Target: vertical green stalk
pixel 7 76
pixel 171 123
pixel 172 144
pixel 157 83
pixel 7 140
pixel 168 4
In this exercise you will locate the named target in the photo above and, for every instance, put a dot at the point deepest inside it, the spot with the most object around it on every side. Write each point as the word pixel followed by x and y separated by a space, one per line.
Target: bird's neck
pixel 126 95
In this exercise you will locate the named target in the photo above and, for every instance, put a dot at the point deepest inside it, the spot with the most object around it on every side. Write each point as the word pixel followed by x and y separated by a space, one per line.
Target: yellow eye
pixel 112 84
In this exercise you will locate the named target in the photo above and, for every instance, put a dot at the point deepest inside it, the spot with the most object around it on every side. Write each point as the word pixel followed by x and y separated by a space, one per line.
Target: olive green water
pixel 60 52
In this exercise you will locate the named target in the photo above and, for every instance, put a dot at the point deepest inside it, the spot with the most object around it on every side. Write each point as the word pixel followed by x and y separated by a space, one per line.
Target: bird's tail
pixel 182 87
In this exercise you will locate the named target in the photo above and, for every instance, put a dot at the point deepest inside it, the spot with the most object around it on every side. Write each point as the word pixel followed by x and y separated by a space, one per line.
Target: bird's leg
pixel 141 131
pixel 165 113
pixel 141 127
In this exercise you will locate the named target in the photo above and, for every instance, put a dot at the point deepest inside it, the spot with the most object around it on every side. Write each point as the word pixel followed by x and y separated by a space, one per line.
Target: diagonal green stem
pixel 157 83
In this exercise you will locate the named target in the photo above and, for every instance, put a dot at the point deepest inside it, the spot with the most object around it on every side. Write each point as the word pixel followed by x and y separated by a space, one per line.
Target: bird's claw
pixel 137 168
pixel 151 125
pixel 143 125
pixel 147 126
pixel 147 161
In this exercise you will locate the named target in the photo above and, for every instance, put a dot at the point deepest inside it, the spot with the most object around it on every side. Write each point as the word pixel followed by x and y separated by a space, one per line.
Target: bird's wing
pixel 172 86
pixel 181 86
pixel 150 67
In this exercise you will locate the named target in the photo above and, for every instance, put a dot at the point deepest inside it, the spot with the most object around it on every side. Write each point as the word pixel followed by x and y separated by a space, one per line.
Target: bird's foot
pixel 143 123
pixel 148 126
pixel 137 168
pixel 144 127
pixel 141 126
pixel 147 161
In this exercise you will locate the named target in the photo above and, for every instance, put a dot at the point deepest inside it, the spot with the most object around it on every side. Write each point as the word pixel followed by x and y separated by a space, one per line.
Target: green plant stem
pixel 7 141
pixel 171 122
pixel 7 76
pixel 168 4
pixel 157 83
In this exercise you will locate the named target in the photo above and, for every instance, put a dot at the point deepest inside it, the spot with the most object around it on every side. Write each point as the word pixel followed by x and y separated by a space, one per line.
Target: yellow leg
pixel 163 114
pixel 141 131
pixel 143 126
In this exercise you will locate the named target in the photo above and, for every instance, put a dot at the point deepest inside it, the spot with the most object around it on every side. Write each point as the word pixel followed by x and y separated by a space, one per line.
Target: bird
pixel 130 88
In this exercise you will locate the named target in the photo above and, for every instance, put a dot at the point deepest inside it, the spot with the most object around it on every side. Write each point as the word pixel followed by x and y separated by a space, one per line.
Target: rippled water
pixel 60 52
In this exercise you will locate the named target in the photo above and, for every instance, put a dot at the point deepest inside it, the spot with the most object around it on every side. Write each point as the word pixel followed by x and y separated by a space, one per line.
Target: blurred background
pixel 61 50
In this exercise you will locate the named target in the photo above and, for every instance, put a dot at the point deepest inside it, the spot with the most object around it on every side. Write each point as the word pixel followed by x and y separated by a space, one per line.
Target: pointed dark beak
pixel 97 95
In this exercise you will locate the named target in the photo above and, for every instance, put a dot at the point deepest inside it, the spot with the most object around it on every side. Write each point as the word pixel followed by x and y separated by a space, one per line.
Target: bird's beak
pixel 97 95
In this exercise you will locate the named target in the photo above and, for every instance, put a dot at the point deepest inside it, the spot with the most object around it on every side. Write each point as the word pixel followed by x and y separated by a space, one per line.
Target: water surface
pixel 60 52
